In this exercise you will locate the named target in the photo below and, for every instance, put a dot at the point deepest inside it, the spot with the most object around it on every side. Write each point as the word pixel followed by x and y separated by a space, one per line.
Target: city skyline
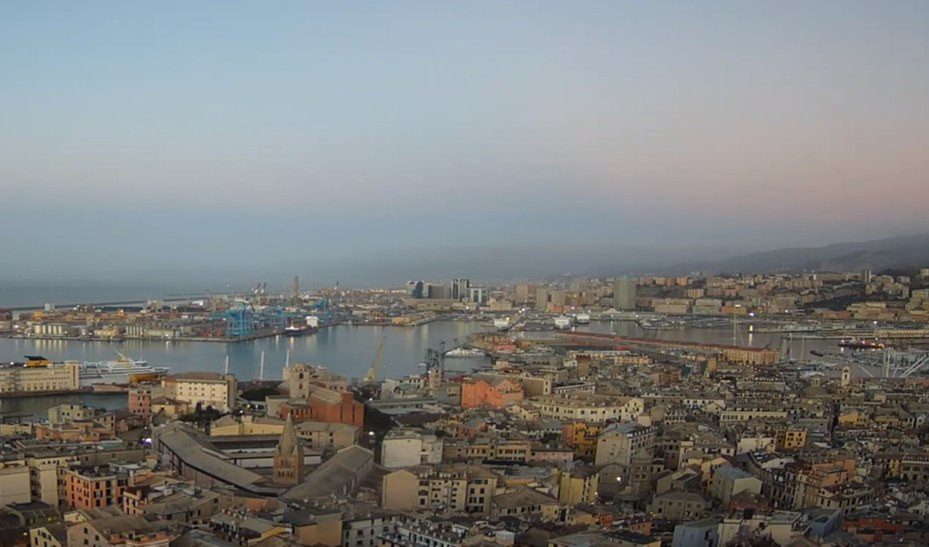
pixel 312 138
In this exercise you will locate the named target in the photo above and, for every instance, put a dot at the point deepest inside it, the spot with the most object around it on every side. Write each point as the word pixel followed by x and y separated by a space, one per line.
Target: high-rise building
pixel 522 293
pixel 436 291
pixel 417 289
pixel 460 289
pixel 624 294
pixel 478 295
pixel 557 297
pixel 541 298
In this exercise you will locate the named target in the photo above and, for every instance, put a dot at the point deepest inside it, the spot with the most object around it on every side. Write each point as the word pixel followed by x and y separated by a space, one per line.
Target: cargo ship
pixel 122 371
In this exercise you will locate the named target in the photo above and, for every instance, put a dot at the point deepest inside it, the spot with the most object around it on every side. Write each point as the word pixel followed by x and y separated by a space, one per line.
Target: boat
pixel 659 324
pixel 464 352
pixel 563 322
pixel 122 371
pixel 855 343
pixel 502 324
pixel 294 330
pixel 582 319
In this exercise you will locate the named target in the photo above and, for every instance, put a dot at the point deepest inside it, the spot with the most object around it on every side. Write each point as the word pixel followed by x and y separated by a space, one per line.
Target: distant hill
pixel 881 254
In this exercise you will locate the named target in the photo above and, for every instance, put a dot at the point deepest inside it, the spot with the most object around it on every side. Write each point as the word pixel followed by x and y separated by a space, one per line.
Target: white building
pixel 407 447
pixel 208 389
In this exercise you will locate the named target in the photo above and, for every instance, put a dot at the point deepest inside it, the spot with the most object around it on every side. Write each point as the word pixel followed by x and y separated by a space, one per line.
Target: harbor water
pixel 347 350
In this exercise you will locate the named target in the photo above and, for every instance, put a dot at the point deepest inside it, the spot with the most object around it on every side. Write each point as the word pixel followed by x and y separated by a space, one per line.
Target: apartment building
pixel 407 447
pixel 589 407
pixel 621 443
pixel 93 487
pixel 454 487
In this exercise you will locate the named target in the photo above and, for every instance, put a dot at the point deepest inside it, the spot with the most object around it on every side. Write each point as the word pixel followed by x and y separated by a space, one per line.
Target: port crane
pixel 378 357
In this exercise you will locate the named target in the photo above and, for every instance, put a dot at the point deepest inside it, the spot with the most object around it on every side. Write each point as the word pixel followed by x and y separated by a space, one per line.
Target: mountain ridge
pixel 878 254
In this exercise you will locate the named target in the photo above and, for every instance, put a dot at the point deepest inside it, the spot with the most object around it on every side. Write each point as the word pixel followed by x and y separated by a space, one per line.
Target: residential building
pixel 140 400
pixel 407 447
pixel 624 293
pixel 677 505
pixel 14 482
pixel 493 393
pixel 700 533
pixel 65 413
pixel 728 481
pixel 621 443
pixel 589 407
pixel 525 503
pixel 578 485
pixel 109 529
pixel 93 487
pixel 453 487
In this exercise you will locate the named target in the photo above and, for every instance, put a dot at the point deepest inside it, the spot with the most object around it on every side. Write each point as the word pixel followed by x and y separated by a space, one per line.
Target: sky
pixel 377 140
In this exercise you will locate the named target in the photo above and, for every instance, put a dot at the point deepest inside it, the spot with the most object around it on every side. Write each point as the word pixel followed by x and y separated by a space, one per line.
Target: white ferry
pixel 122 371
pixel 464 352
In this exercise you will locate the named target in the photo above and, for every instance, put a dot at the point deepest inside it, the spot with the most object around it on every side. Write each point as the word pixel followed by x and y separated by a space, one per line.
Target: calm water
pixel 346 350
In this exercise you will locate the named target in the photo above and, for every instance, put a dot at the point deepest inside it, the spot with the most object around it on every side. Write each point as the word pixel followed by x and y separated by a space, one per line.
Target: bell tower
pixel 288 456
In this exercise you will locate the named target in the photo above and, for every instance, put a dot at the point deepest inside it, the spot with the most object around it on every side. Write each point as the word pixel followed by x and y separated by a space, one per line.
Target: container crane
pixel 378 357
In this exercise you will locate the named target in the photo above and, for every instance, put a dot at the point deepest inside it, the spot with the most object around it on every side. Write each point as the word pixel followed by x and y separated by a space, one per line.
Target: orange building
pixel 93 488
pixel 497 393
pixel 325 405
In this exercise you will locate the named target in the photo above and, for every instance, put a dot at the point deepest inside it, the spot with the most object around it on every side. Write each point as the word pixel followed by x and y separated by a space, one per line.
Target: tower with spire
pixel 288 456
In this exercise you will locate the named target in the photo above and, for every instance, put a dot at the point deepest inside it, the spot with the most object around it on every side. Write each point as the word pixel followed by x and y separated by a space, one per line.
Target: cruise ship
pixel 122 371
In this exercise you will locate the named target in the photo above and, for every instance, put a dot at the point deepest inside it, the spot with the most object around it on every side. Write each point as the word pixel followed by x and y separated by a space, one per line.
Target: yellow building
pixel 455 487
pixel 751 356
pixel 790 439
pixel 320 529
pixel 578 486
pixel 525 501
pixel 227 426
pixel 47 377
pixel 583 438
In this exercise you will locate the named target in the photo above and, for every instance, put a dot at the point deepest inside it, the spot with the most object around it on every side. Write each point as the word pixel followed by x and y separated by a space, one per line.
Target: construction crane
pixel 378 357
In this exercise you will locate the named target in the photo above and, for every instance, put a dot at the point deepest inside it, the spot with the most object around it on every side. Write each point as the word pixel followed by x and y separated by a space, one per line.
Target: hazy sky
pixel 312 137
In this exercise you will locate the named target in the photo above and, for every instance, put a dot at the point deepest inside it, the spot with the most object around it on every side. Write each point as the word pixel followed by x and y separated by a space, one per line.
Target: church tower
pixel 846 376
pixel 288 456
